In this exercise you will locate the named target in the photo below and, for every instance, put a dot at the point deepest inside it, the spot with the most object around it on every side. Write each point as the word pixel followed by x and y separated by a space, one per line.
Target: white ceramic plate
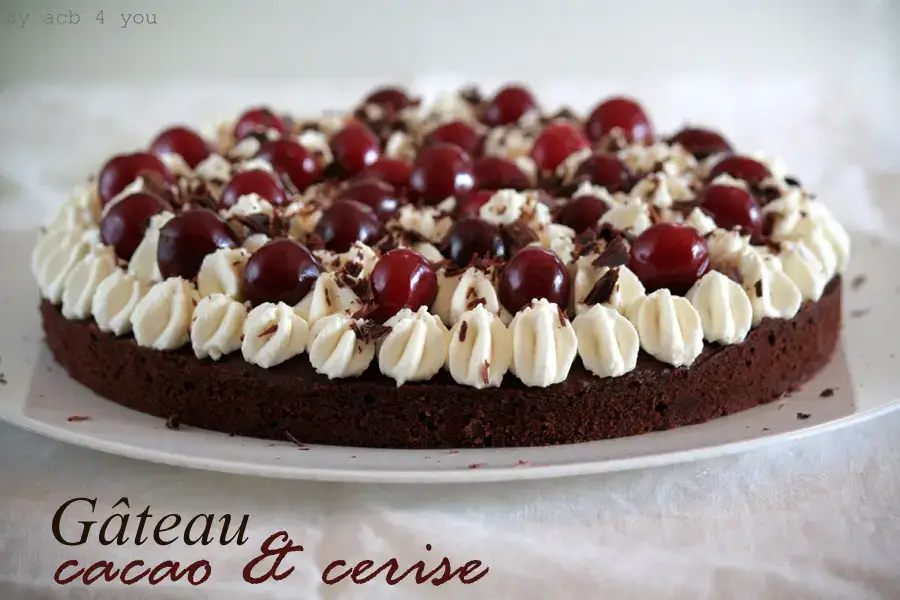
pixel 39 396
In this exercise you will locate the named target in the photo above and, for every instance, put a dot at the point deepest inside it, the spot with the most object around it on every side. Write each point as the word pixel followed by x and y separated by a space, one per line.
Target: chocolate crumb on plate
pixel 77 418
pixel 476 465
pixel 858 281
pixel 861 312
pixel 523 463
pixel 827 393
pixel 802 416
pixel 300 445
pixel 173 422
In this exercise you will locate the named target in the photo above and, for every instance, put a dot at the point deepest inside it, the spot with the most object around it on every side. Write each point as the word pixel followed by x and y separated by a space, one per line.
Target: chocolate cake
pixel 473 272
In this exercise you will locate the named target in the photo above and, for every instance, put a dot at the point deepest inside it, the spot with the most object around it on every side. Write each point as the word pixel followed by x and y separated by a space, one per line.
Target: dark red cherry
pixel 441 171
pixel 458 133
pixel 122 169
pixel 377 195
pixel 701 142
pixel 258 120
pixel 555 143
pixel 292 161
pixel 182 141
pixel 402 279
pixel 619 112
pixel 187 238
pixel 496 173
pixel 124 224
pixel 605 170
pixel 392 171
pixel 731 206
pixel 670 256
pixel 472 202
pixel 741 167
pixel 254 181
pixel 470 236
pixel 355 147
pixel 281 271
pixel 345 222
pixel 582 213
pixel 534 273
pixel 390 97
pixel 508 105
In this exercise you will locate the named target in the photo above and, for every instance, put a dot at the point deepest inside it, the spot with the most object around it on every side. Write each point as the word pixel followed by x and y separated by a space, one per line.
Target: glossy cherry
pixel 622 113
pixel 508 105
pixel 472 202
pixel 187 238
pixel 254 181
pixel 182 141
pixel 390 97
pixel 283 270
pixel 701 142
pixel 292 161
pixel 458 133
pixel 376 194
pixel 258 120
pixel 345 222
pixel 441 171
pixel 393 171
pixel 731 207
pixel 741 167
pixel 671 256
pixel 402 279
pixel 534 273
pixel 606 170
pixel 470 236
pixel 124 224
pixel 555 143
pixel 496 173
pixel 582 213
pixel 355 147
pixel 122 169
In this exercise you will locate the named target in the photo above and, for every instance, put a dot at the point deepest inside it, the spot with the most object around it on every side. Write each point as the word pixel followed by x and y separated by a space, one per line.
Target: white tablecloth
pixel 818 518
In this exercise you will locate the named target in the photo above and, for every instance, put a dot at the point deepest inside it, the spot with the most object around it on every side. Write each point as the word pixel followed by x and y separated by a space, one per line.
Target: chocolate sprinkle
pixel 614 255
pixel 758 288
pixel 76 418
pixel 486 372
pixel 475 302
pixel 300 445
pixel 563 319
pixel 463 328
pixel 827 393
pixel 603 289
pixel 269 330
pixel 792 181
pixel 803 416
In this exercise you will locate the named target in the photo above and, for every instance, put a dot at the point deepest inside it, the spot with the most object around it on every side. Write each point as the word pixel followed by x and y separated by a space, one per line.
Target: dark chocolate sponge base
pixel 236 397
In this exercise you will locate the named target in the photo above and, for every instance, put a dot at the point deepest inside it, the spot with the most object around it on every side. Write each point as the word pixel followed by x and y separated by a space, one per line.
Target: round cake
pixel 467 272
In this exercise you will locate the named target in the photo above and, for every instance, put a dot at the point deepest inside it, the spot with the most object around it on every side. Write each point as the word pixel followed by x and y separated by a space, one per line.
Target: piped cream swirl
pixel 335 349
pixel 162 319
pixel 416 347
pixel 480 349
pixel 273 333
pixel 544 344
pixel 669 328
pixel 217 326
pixel 607 342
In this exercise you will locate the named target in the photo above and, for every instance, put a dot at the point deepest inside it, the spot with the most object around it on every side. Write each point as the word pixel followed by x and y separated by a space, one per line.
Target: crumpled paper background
pixel 818 518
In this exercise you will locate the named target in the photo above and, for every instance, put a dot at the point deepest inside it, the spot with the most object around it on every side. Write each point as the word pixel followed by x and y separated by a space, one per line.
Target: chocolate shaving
pixel 291 438
pixel 486 372
pixel 369 331
pixel 471 94
pixel 327 297
pixel 365 311
pixel 803 416
pixel 517 235
pixel 758 288
pixel 563 319
pixel 826 393
pixel 77 418
pixel 173 422
pixel 475 302
pixel 257 223
pixel 353 268
pixel 269 330
pixel 603 289
pixel 463 328
pixel 792 181
pixel 614 255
